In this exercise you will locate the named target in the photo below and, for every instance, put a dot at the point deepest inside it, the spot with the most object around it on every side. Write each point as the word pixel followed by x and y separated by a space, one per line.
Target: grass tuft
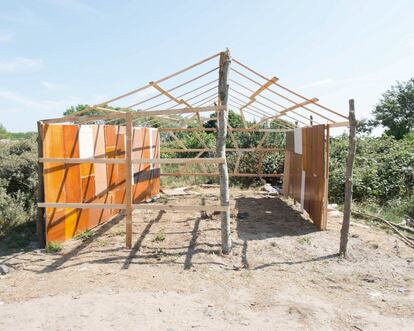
pixel 87 234
pixel 54 247
pixel 304 240
pixel 159 237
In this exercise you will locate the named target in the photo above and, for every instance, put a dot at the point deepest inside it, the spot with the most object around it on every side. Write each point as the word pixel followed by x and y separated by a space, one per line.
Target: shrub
pixel 383 169
pixel 18 182
pixel 12 211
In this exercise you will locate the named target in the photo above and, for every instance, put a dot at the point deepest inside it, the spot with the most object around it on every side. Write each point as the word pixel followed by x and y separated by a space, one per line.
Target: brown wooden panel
pixel 312 163
pixel 290 145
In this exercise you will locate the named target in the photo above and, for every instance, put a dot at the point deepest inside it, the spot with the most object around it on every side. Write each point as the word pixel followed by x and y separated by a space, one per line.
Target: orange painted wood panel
pixel 54 182
pixel 92 183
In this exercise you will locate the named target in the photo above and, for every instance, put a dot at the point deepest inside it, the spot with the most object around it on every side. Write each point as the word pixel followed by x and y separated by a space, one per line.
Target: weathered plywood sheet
pixel 93 183
pixel 304 170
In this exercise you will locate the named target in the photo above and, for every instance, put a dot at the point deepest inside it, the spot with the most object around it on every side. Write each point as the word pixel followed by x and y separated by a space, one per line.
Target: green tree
pixel 395 111
pixel 73 109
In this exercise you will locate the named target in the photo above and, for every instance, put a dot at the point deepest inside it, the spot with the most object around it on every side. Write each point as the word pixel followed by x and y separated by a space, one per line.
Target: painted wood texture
pixel 93 183
pixel 304 173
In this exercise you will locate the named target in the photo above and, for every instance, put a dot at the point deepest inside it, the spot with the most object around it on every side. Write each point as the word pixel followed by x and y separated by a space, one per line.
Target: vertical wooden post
pixel 326 193
pixel 348 180
pixel 286 174
pixel 128 181
pixel 40 219
pixel 223 91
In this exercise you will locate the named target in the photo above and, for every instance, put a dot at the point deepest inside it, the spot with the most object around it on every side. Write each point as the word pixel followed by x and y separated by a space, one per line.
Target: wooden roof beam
pixel 159 80
pixel 173 98
pixel 265 86
pixel 283 113
pixel 282 96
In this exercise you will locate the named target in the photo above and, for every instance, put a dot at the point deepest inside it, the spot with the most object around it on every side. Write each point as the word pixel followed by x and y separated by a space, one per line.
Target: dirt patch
pixel 282 273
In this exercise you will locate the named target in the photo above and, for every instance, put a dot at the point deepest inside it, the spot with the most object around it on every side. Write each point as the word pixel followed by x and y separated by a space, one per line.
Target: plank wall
pixel 304 175
pixel 93 183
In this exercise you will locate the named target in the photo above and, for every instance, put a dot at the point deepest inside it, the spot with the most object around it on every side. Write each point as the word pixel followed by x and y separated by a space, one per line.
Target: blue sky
pixel 57 53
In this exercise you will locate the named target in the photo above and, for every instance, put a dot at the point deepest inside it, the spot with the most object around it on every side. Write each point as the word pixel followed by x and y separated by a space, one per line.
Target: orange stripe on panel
pixel 54 174
pixel 71 222
pixel 72 179
pixel 110 145
pixel 120 154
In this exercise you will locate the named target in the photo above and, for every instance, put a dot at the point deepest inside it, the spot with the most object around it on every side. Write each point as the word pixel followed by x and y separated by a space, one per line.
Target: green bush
pixel 18 182
pixel 383 169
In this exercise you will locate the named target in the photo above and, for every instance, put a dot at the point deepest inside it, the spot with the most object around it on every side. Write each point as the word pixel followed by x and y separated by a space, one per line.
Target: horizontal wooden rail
pixel 216 174
pixel 81 205
pixel 229 129
pixel 142 206
pixel 339 124
pixel 135 114
pixel 79 160
pixel 214 160
pixel 179 207
pixel 242 150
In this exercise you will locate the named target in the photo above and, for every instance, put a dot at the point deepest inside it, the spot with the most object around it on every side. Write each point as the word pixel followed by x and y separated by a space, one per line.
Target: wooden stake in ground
pixel 223 90
pixel 348 179
pixel 40 220
pixel 128 182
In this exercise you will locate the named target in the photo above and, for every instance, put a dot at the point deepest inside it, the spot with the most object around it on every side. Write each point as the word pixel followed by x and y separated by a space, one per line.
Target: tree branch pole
pixel 128 182
pixel 348 180
pixel 223 91
pixel 40 219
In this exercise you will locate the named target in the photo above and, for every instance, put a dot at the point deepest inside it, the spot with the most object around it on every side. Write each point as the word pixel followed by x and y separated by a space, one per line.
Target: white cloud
pixel 5 36
pixel 317 83
pixel 19 64
pixel 52 86
pixel 18 102
pixel 325 82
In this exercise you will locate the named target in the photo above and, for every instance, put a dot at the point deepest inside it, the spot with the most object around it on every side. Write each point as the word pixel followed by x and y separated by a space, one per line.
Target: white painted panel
pixel 86 141
pixel 302 190
pixel 151 147
pixel 99 151
pixel 298 140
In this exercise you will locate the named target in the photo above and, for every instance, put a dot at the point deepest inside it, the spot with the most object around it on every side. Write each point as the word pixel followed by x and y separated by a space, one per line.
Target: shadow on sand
pixel 257 219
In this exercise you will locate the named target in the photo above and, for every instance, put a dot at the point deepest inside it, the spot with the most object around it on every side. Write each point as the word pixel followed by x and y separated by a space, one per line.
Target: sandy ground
pixel 282 274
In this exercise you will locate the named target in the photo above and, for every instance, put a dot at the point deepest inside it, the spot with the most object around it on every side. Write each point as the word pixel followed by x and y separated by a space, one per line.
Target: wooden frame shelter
pixel 184 102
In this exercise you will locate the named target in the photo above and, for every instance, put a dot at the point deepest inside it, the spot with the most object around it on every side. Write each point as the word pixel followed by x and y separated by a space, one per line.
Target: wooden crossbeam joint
pixel 165 92
pixel 259 90
pixel 264 87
